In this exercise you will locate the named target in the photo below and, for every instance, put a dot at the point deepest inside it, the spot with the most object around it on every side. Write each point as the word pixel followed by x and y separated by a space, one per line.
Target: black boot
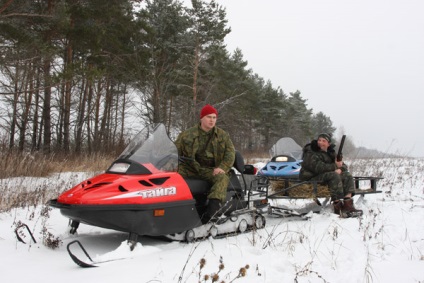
pixel 212 211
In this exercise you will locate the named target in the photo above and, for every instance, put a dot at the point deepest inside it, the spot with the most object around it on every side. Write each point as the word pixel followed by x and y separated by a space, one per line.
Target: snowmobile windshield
pixel 286 146
pixel 152 145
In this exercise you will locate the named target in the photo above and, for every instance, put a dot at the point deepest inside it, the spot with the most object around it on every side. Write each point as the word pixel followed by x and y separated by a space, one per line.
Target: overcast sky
pixel 361 62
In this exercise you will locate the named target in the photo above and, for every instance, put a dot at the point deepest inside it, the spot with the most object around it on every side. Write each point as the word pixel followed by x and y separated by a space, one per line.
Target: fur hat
pixel 325 136
pixel 208 109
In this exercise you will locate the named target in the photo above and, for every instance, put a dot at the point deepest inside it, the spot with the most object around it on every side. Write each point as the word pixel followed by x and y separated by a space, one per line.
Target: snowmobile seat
pixel 234 184
pixel 198 187
pixel 239 162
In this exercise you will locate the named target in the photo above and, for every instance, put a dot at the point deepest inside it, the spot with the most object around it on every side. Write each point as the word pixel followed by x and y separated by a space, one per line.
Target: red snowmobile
pixel 141 193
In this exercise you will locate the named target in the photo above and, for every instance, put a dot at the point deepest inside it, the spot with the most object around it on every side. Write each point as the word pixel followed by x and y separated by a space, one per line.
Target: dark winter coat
pixel 316 161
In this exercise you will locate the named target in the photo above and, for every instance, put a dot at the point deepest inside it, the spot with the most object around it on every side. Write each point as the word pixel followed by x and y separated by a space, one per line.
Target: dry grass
pixel 17 164
pixel 301 191
pixel 30 189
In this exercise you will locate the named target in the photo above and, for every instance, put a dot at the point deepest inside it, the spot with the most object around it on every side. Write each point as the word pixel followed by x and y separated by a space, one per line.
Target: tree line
pixel 79 76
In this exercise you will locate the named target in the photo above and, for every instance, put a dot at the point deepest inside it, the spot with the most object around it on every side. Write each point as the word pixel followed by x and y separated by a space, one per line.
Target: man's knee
pixel 221 179
pixel 333 176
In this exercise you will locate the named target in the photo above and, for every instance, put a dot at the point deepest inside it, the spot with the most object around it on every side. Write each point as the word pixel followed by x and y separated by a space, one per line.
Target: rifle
pixel 339 153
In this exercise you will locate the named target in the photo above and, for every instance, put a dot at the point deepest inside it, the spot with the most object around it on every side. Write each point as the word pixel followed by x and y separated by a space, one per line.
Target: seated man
pixel 320 164
pixel 207 153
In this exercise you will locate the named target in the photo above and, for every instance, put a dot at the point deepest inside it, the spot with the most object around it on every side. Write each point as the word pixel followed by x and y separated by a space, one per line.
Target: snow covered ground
pixel 385 245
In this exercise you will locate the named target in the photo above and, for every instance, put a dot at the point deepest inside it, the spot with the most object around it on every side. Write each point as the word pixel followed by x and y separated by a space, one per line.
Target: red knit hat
pixel 208 109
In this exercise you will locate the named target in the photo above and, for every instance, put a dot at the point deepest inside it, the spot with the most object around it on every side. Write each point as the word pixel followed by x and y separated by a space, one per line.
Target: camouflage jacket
pixel 188 145
pixel 315 161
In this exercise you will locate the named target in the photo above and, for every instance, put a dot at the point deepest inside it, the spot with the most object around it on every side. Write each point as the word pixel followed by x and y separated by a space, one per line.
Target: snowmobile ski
pixel 89 262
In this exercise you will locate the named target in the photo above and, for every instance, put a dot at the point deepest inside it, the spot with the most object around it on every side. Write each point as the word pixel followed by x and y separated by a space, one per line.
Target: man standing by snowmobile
pixel 320 164
pixel 207 153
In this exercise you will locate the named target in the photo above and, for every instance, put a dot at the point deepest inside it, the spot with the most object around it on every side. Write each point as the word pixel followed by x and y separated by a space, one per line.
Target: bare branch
pixel 26 15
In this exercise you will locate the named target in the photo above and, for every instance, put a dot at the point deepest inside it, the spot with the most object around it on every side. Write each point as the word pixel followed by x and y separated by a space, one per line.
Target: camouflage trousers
pixel 338 184
pixel 219 182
